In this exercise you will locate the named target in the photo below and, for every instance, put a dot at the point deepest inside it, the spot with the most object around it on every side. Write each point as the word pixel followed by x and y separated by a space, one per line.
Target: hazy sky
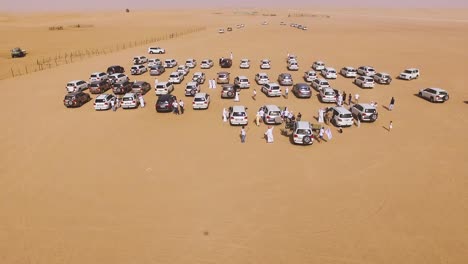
pixel 44 5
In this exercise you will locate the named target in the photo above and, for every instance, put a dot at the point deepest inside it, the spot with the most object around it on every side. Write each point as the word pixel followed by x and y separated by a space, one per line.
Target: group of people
pixel 176 105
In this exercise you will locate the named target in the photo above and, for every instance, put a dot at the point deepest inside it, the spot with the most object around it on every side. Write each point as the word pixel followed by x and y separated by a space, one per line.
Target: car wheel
pixel 446 97
pixel 420 94
pixel 306 139
pixel 373 117
pixel 192 92
pixel 230 94
pixel 432 99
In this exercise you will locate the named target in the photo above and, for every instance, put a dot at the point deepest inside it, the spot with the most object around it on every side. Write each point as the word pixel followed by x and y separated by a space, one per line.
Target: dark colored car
pixel 229 90
pixel 76 99
pixel 115 69
pixel 164 103
pixel 122 87
pixel 141 87
pixel 157 70
pixel 99 86
pixel 18 53
pixel 302 90
pixel 225 63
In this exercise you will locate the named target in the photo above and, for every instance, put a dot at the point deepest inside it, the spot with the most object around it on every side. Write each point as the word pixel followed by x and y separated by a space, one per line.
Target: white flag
pixel 329 134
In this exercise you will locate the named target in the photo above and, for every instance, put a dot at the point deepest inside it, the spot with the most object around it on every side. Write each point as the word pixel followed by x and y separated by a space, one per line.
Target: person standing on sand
pixel 175 106
pixel 254 96
pixel 257 118
pixel 299 116
pixel 232 56
pixel 181 104
pixel 356 98
pixel 286 92
pixel 392 103
pixel 349 99
pixel 225 114
pixel 113 104
pixel 344 97
pixel 390 126
pixel 142 100
pixel 269 134
pixel 243 134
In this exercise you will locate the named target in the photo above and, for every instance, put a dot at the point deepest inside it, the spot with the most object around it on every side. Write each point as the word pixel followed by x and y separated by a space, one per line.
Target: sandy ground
pixel 136 186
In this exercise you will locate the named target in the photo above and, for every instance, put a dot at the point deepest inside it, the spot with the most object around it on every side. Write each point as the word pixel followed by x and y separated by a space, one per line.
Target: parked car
pixel 434 95
pixel 318 65
pixel 291 57
pixel 242 82
pixel 191 63
pixel 223 77
pixel 192 88
pixel 162 88
pixel 199 77
pixel 115 69
pixel 103 101
pixel 221 30
pixel 98 76
pixel 118 77
pixel 229 29
pixel 98 87
pixel 319 84
pixel 154 62
pixel 138 69
pixel 229 90
pixel 302 90
pixel 157 70
pixel 156 50
pixel 271 89
pixel 409 74
pixel 341 117
pixel 164 103
pixel 364 82
pixel 170 63
pixel 310 76
pixel 76 86
pixel 302 133
pixel 141 87
pixel 382 78
pixel 176 77
pixel 348 72
pixel 201 101
pixel 272 115
pixel 206 64
pixel 237 115
pixel 364 112
pixel 285 79
pixel 225 63
pixel 139 60
pixel 244 64
pixel 122 87
pixel 262 78
pixel 265 64
pixel 76 99
pixel 184 69
pixel 130 100
pixel 366 71
pixel 327 95
pixel 293 66
pixel 18 53
pixel 329 73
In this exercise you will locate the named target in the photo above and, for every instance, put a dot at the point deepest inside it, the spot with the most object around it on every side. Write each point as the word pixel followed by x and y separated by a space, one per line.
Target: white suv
pixel 329 73
pixel 184 69
pixel 103 102
pixel 192 88
pixel 265 64
pixel 170 63
pixel 319 84
pixel 199 77
pixel 348 72
pixel 238 115
pixel 434 94
pixel 98 76
pixel 154 62
pixel 244 64
pixel 118 77
pixel 140 60
pixel 191 63
pixel 76 86
pixel 242 82
pixel 156 50
pixel 272 114
pixel 271 89
pixel 318 65
pixel 409 74
pixel 327 95
pixel 302 133
pixel 138 69
pixel 292 65
pixel 341 117
pixel 262 78
pixel 364 112
pixel 130 100
pixel 366 71
pixel 163 88
pixel 176 77
pixel 310 76
pixel 382 78
pixel 206 64
pixel 364 82
pixel 201 101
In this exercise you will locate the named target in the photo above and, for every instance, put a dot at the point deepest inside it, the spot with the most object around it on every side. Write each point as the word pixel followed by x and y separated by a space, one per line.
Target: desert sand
pixel 136 186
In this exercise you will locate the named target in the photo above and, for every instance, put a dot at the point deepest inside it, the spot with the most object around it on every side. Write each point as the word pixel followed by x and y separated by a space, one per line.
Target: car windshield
pixel 128 98
pixel 370 111
pixel 408 71
pixel 69 97
pixel 238 114
pixel 100 100
pixel 346 115
pixel 275 113
pixel 199 99
pixel 274 87
pixel 329 93
pixel 71 84
pixel 443 93
pixel 304 132
pixel 190 87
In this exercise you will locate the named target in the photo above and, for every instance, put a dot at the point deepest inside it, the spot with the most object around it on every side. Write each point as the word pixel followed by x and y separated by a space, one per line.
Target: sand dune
pixel 80 186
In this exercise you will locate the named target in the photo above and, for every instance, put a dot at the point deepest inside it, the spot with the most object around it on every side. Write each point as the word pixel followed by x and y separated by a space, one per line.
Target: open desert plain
pixel 136 186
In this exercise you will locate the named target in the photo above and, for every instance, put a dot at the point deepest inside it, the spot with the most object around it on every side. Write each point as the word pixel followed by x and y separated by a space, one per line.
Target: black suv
pixel 122 87
pixel 76 99
pixel 115 69
pixel 164 103
pixel 99 86
pixel 141 87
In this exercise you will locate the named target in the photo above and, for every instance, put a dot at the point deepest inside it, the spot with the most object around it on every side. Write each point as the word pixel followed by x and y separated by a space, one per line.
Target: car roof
pixel 162 83
pixel 272 107
pixel 73 94
pixel 436 89
pixel 102 96
pixel 368 106
pixel 238 108
pixel 98 82
pixel 97 73
pixel 285 74
pixel 242 77
pixel 327 89
pixel 197 73
pixel 223 73
pixel 319 62
pixel 129 94
pixel 165 97
pixel 329 68
pixel 348 68
pixel 341 109
pixel 273 84
pixel 139 82
pixel 192 83
pixel 302 84
pixel 411 69
pixel 321 80
pixel 200 94
pixel 303 125
pixel 175 73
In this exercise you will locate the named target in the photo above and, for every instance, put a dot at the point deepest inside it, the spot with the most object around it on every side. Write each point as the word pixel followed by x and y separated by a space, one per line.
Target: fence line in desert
pixel 45 63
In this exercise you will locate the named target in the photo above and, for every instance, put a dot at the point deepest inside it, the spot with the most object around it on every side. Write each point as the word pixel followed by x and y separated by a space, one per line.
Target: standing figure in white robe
pixel 320 115
pixel 236 98
pixel 340 99
pixel 142 101
pixel 225 114
pixel 269 134
pixel 214 84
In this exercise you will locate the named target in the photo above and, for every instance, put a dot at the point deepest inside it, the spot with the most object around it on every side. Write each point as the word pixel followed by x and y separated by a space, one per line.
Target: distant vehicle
pixel 292 65
pixel 271 89
pixel 319 84
pixel 141 87
pixel 282 23
pixel 157 70
pixel 225 63
pixel 237 115
pixel 164 103
pixel 318 65
pixel 206 64
pixel 223 77
pixel 434 95
pixel 115 69
pixel 262 78
pixel 184 69
pixel 98 87
pixel 341 117
pixel 329 73
pixel 18 53
pixel 242 82
pixel 138 69
pixel 139 60
pixel 291 57
pixel 201 101
pixel 170 63
pixel 302 90
pixel 162 88
pixel 76 86
pixel 364 82
pixel 122 87
pixel 285 79
pixel 327 95
pixel 364 112
pixel 154 62
pixel 221 30
pixel 229 90
pixel 176 77
pixel 302 133
pixel 409 74
pixel 382 78
pixel 265 64
pixel 304 28
pixel 229 29
pixel 192 88
pixel 245 64
pixel 366 71
pixel 118 77
pixel 191 63
pixel 348 72
pixel 156 50
pixel 130 100
pixel 103 102
pixel 264 23
pixel 98 76
pixel 272 115
pixel 76 99
pixel 310 76
pixel 199 77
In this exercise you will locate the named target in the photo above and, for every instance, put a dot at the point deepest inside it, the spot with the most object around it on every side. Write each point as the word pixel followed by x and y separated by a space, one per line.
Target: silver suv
pixel 285 79
pixel 302 133
pixel 364 112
